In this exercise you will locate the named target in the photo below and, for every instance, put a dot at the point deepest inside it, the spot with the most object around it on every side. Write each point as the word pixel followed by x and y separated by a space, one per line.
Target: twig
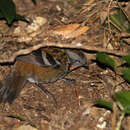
pixel 108 13
pixel 65 45
pixel 114 116
pixel 123 11
pixel 120 121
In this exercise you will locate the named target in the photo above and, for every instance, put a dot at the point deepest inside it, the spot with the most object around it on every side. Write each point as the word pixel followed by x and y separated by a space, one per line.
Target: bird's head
pixel 77 58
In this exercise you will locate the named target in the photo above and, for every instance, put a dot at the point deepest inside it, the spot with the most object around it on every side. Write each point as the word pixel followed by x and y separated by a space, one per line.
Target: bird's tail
pixel 11 88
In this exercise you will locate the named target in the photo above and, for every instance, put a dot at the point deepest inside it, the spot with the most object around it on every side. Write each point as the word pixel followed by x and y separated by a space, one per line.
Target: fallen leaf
pixel 78 32
pixel 69 31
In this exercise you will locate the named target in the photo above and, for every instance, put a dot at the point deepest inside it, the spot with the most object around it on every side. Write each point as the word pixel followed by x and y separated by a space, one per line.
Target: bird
pixel 46 65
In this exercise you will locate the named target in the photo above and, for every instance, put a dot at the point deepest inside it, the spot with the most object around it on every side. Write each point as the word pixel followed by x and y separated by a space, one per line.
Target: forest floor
pixel 75 110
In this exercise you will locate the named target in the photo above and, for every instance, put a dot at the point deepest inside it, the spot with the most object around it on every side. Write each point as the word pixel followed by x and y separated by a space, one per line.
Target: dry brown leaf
pixel 69 31
pixel 65 29
pixel 78 32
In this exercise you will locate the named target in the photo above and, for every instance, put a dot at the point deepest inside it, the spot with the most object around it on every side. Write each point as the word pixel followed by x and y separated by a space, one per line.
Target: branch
pixel 66 45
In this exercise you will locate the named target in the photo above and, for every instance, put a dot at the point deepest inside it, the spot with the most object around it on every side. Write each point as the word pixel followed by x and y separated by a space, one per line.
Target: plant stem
pixel 120 120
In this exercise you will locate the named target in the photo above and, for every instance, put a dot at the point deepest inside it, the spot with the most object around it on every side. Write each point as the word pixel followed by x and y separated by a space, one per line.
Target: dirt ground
pixel 74 110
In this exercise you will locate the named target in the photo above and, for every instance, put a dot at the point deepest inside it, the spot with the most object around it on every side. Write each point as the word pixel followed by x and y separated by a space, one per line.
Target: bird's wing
pixel 42 60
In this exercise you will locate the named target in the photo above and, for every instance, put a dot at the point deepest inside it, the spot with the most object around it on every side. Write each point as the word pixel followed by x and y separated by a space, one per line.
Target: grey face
pixel 77 58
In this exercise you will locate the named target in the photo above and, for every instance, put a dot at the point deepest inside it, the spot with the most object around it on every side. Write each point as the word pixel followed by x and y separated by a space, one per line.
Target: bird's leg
pixel 48 93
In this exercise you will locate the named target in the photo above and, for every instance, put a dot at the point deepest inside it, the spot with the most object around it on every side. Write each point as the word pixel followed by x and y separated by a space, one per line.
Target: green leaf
pixel 123 99
pixel 126 74
pixel 8 10
pixel 119 19
pixel 122 16
pixel 121 42
pixel 104 104
pixel 1 15
pixel 22 118
pixel 19 17
pixel 105 60
pixel 34 1
pixel 115 20
pixel 127 59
